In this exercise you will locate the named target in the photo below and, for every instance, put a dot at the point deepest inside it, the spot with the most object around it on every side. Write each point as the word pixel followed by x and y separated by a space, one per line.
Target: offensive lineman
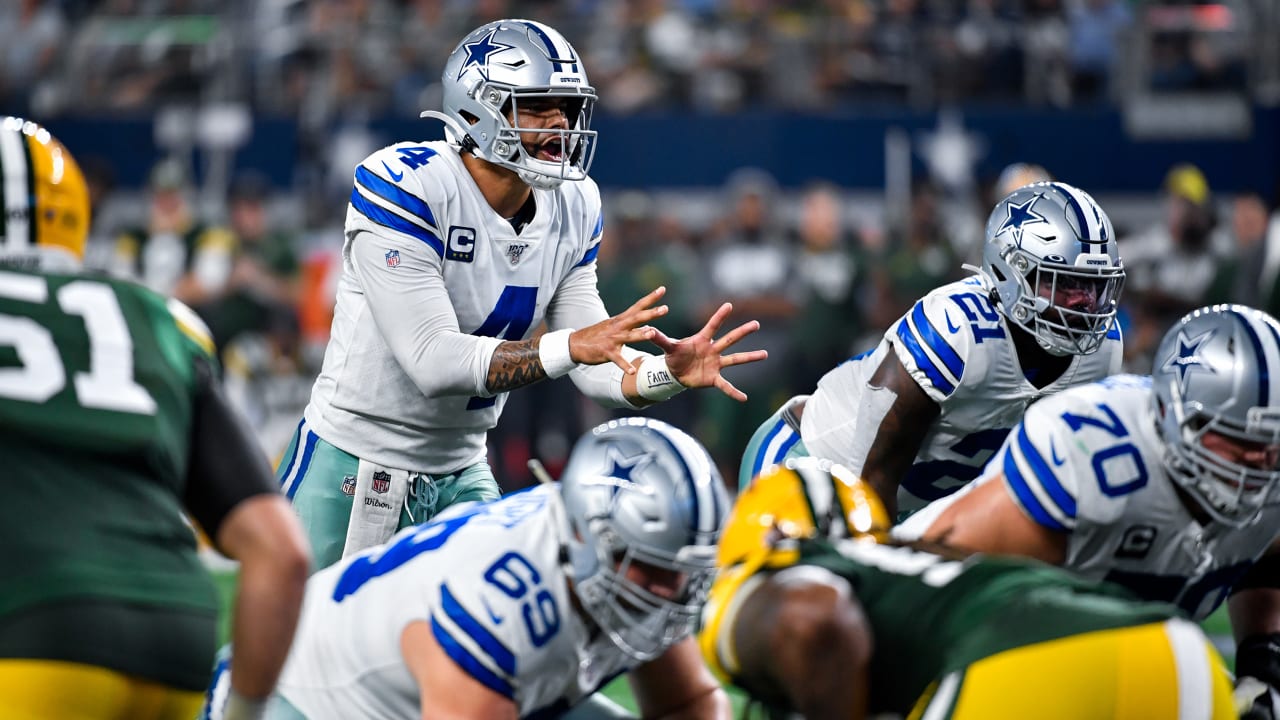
pixel 811 613
pixel 1167 484
pixel 456 252
pixel 920 415
pixel 525 606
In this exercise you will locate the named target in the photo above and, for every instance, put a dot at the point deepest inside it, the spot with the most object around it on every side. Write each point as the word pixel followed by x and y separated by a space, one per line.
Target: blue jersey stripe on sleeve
pixel 493 647
pixel 1044 474
pixel 393 194
pixel 922 359
pixel 589 256
pixel 936 343
pixel 1026 498
pixel 1114 332
pixel 393 221
pixel 599 226
pixel 469 663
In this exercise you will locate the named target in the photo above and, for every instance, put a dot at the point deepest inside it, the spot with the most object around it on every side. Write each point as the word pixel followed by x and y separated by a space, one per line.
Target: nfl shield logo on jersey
pixel 515 251
pixel 381 481
pixel 393 258
pixel 349 485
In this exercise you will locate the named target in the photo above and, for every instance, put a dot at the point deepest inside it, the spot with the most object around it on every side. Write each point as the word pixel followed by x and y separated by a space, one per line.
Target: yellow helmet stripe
pixel 18 186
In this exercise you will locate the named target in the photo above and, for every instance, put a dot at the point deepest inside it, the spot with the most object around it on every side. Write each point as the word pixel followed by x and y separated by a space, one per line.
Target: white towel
pixel 375 512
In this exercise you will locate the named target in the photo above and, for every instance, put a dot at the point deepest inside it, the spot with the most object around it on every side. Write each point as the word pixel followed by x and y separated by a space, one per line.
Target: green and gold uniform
pixel 99 381
pixel 988 637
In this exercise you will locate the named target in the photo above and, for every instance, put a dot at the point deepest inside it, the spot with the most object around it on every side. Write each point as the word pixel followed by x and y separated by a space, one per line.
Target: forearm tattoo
pixel 515 364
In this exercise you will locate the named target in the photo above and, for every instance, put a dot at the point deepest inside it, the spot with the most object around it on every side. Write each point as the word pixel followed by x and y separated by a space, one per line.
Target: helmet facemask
pixel 1230 492
pixel 1059 329
pixel 641 622
pixel 645 504
pixel 491 73
pixel 1046 243
pixel 1217 406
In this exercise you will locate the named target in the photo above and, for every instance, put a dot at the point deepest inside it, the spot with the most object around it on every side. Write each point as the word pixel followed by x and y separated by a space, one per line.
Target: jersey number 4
pixel 109 383
pixel 510 320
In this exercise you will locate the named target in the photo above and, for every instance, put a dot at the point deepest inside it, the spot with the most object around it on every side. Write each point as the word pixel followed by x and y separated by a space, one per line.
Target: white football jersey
pixel 489 579
pixel 416 217
pixel 955 344
pixel 1087 462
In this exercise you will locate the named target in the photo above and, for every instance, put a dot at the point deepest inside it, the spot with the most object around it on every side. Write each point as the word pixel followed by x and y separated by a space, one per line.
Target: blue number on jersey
pixel 1116 429
pixel 509 319
pixel 415 156
pixel 1170 588
pixel 508 512
pixel 925 480
pixel 505 574
pixel 984 321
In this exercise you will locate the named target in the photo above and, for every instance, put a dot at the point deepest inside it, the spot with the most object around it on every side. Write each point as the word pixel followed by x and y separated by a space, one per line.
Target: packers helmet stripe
pixel 15 164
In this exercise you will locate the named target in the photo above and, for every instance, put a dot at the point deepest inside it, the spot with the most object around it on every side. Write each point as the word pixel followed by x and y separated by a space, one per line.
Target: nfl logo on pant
pixel 381 482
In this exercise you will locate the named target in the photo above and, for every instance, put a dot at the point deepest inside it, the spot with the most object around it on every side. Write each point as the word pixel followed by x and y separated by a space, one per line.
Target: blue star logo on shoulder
pixel 479 52
pixel 1019 214
pixel 1187 358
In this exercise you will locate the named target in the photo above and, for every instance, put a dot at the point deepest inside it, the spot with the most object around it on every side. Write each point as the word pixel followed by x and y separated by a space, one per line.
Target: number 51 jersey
pixel 97 384
pixel 1088 462
pixel 488 578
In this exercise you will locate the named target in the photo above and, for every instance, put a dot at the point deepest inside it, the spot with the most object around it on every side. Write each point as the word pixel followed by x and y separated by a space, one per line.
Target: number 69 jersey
pixel 1088 462
pixel 488 580
pixel 955 344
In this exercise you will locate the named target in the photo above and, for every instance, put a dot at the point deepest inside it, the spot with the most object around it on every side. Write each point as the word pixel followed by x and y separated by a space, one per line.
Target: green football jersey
pixel 97 379
pixel 931 615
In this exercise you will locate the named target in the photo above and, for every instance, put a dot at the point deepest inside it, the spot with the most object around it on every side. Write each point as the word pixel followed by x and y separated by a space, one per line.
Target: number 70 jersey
pixel 489 581
pixel 1088 462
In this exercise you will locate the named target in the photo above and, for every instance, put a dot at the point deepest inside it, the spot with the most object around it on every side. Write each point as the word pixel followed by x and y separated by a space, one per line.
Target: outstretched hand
pixel 602 342
pixel 696 361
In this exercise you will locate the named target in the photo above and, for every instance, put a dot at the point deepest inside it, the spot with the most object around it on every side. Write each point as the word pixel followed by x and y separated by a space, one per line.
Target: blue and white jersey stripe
pixel 388 205
pixel 931 352
pixel 1033 484
pixel 472 646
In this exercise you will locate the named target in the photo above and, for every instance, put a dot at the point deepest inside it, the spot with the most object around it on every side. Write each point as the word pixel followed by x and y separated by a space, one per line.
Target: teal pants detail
pixel 773 442
pixel 319 479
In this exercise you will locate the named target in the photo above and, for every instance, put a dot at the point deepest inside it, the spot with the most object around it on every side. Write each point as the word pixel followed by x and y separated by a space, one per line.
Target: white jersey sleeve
pixel 396 249
pixel 1039 473
pixel 935 340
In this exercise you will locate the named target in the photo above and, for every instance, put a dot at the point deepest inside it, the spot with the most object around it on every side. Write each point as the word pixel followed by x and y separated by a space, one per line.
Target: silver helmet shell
pixel 1049 237
pixel 1212 373
pixel 638 491
pixel 498 66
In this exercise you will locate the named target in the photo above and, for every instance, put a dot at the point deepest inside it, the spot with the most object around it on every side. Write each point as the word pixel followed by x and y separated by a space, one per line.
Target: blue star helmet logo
pixel 479 52
pixel 621 469
pixel 1019 215
pixel 1187 360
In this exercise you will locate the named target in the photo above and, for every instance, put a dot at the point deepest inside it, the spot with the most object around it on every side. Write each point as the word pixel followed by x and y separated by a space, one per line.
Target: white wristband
pixel 654 381
pixel 553 351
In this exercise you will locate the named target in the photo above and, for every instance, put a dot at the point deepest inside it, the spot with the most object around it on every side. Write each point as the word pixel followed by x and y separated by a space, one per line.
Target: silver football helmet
pixel 644 496
pixel 1052 259
pixel 1212 373
pixel 496 68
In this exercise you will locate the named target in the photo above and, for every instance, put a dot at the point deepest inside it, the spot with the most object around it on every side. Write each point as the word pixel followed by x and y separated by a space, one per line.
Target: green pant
pixel 319 479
